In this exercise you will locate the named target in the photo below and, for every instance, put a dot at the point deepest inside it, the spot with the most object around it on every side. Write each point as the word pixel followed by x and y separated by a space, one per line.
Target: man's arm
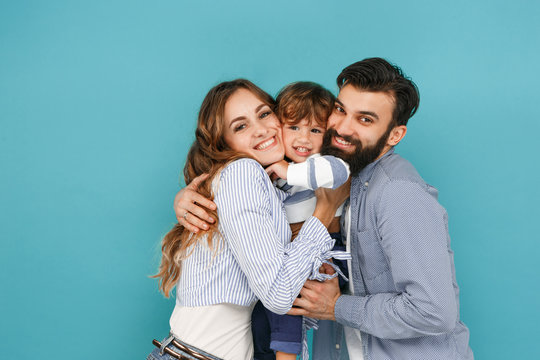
pixel 189 207
pixel 413 233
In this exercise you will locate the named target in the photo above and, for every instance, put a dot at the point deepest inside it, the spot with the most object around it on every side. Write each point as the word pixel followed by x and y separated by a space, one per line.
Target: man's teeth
pixel 265 144
pixel 341 141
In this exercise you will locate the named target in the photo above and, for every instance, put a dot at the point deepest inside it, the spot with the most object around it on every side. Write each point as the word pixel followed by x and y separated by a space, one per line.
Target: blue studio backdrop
pixel 98 103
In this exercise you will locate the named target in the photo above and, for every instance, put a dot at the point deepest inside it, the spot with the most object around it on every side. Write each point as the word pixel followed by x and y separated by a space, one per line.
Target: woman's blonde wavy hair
pixel 208 155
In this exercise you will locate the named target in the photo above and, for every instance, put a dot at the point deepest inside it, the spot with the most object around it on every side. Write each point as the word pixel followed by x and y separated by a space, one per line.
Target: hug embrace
pixel 299 214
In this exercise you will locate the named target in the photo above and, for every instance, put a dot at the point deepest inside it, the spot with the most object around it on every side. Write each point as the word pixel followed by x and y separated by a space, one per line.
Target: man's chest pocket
pixel 372 260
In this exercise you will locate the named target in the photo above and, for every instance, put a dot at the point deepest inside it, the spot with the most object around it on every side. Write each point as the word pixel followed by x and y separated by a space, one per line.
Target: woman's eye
pixel 264 114
pixel 239 127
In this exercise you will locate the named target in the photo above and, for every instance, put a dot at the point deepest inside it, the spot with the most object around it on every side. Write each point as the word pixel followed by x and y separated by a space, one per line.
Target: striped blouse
pixel 255 258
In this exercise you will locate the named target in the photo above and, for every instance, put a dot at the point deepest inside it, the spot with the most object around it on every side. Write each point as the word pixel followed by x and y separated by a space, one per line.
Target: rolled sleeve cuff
pixel 350 310
pixel 286 347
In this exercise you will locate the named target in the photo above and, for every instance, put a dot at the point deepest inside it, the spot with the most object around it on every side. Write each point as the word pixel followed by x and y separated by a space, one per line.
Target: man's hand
pixel 318 299
pixel 278 169
pixel 188 206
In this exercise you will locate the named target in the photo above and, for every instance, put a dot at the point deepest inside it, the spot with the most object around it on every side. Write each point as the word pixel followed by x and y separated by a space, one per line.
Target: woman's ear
pixel 396 135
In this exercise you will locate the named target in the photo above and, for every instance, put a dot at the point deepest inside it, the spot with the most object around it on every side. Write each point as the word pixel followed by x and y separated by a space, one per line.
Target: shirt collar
pixel 365 174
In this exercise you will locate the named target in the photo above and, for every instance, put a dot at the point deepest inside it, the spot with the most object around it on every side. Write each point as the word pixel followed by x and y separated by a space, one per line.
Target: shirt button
pixel 337 346
pixel 366 183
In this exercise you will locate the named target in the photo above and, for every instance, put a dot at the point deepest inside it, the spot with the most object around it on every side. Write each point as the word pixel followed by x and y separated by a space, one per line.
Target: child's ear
pixel 396 135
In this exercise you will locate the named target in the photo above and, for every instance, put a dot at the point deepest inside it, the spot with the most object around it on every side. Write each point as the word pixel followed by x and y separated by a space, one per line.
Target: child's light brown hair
pixel 304 100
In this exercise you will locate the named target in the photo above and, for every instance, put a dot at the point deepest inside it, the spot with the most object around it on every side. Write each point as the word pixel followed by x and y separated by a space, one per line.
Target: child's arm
pixel 318 172
pixel 278 169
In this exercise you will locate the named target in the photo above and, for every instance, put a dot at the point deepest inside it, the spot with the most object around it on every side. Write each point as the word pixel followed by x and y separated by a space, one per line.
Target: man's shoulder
pixel 394 174
pixel 396 168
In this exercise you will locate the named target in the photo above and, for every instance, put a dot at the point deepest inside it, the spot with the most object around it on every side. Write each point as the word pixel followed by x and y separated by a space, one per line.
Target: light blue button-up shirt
pixel 406 301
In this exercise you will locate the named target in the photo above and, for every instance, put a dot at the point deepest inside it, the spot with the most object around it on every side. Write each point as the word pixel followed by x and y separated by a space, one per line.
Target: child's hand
pixel 278 169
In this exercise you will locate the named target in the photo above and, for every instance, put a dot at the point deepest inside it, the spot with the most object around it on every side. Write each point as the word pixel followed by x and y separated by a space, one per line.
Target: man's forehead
pixel 361 100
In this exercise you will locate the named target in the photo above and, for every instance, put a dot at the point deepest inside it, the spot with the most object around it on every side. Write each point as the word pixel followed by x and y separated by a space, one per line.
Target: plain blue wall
pixel 98 102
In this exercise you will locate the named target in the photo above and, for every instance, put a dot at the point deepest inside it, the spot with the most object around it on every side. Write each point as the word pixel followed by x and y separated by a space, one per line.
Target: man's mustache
pixel 332 132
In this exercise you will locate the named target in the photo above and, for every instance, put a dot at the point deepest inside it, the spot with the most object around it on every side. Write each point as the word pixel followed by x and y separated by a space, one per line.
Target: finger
pixel 188 226
pixel 303 303
pixel 328 269
pixel 307 294
pixel 298 311
pixel 310 284
pixel 203 201
pixel 269 170
pixel 196 182
pixel 192 220
pixel 198 211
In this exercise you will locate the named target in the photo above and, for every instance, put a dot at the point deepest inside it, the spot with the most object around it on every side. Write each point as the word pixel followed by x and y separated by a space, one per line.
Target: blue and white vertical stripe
pixel 256 259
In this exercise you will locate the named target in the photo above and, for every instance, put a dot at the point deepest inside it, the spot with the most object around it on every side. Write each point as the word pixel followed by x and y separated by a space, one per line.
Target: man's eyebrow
pixel 360 112
pixel 370 113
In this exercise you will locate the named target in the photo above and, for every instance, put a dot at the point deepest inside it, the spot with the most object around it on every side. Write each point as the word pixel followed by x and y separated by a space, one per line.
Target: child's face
pixel 302 140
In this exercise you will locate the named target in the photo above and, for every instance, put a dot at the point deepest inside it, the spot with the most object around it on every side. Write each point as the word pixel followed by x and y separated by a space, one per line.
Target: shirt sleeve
pixel 276 269
pixel 413 233
pixel 318 171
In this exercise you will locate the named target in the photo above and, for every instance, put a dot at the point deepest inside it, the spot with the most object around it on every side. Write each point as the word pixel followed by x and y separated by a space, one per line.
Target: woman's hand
pixel 328 201
pixel 189 207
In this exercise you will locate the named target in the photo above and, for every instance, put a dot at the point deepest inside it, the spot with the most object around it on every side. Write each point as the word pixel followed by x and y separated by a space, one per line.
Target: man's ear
pixel 396 135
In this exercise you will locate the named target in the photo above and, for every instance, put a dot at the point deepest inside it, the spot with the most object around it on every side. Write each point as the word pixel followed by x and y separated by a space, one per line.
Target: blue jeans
pixel 158 354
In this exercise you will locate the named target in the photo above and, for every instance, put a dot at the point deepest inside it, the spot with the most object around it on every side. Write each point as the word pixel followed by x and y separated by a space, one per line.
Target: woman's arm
pixel 254 225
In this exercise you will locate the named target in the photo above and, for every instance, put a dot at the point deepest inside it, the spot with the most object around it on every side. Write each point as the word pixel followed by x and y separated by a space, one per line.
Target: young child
pixel 303 109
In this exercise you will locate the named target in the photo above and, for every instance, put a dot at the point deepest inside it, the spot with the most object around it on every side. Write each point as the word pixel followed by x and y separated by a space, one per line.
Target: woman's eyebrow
pixel 239 118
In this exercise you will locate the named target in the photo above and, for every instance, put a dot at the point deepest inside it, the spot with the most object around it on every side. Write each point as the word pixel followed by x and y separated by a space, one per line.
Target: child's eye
pixel 293 127
pixel 316 131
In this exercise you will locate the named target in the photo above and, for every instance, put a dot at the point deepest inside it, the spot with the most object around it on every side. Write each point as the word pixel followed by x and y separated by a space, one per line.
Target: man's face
pixel 359 127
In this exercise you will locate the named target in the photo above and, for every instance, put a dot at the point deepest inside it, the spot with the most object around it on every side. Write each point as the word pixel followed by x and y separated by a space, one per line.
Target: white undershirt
pixel 353 336
pixel 223 330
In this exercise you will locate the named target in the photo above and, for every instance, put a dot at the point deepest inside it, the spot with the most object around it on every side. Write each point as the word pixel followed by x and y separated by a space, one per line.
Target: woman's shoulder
pixel 244 167
pixel 243 176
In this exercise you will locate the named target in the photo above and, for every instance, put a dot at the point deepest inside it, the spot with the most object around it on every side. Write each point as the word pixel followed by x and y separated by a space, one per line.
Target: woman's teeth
pixel 265 144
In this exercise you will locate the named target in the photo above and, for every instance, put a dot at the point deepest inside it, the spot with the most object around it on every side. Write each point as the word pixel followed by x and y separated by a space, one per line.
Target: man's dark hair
pixel 378 75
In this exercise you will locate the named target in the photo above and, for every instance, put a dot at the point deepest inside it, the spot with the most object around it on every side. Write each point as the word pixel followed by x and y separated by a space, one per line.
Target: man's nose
pixel 344 125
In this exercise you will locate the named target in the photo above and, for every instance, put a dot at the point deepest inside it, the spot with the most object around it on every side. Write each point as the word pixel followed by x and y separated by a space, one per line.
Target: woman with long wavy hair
pixel 246 255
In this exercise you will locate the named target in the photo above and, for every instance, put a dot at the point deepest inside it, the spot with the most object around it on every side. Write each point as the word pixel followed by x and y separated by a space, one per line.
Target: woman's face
pixel 252 128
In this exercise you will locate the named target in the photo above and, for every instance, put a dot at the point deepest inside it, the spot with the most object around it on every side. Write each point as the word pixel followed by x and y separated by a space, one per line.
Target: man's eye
pixel 339 109
pixel 366 120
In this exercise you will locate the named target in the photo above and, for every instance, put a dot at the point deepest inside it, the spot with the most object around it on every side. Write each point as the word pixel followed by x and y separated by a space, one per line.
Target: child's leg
pixel 260 328
pixel 285 334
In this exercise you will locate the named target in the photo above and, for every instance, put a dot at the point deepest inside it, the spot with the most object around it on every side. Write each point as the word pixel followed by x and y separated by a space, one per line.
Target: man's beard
pixel 361 156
